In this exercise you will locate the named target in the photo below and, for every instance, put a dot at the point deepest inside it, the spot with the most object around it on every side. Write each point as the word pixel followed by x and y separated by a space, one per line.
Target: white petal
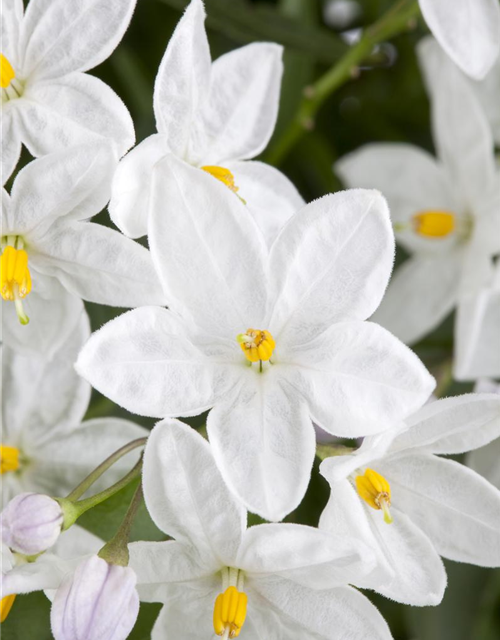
pixel 457 509
pixel 421 293
pixel 485 462
pixel 99 264
pixel 12 16
pixel 264 443
pixel 488 92
pixel 158 563
pixel 144 361
pixel 182 83
pixel 358 379
pixel 60 36
pixel 207 249
pixel 331 262
pixel 11 142
pixel 186 495
pixel 468 30
pixel 81 105
pixel 238 118
pixel 130 191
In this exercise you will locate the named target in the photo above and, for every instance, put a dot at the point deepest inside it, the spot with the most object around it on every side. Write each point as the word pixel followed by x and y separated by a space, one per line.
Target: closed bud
pixel 98 602
pixel 31 523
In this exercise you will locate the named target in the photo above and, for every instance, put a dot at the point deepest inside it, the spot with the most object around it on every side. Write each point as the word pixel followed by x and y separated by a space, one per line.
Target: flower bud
pixel 98 602
pixel 31 523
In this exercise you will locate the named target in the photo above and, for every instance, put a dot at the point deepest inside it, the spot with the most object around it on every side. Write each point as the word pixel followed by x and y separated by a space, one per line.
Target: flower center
pixel 256 345
pixel 11 87
pixel 15 278
pixel 9 458
pixel 230 607
pixel 434 224
pixel 5 606
pixel 375 491
pixel 222 174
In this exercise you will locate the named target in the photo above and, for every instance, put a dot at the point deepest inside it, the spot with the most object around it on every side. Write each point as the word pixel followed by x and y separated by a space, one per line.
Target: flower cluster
pixel 276 318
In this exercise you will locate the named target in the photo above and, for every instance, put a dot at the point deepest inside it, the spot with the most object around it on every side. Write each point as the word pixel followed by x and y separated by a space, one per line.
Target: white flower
pixel 304 303
pixel 47 102
pixel 486 460
pixel 45 446
pixel 212 116
pixel 48 244
pixel 413 505
pixel 284 580
pixel 446 211
pixel 98 602
pixel 31 523
pixel 468 30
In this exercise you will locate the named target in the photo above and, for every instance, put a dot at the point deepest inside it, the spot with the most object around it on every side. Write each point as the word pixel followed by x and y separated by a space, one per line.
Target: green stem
pixel 396 20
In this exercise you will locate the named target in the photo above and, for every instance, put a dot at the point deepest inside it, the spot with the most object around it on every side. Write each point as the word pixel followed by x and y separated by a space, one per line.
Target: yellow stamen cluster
pixel 222 174
pixel 15 278
pixel 434 224
pixel 9 458
pixel 256 345
pixel 6 72
pixel 230 611
pixel 5 606
pixel 375 491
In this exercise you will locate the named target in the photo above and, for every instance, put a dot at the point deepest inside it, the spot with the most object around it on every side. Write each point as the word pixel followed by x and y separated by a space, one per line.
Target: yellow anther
pixel 375 491
pixel 5 606
pixel 6 72
pixel 222 174
pixel 9 458
pixel 256 345
pixel 433 224
pixel 15 278
pixel 230 611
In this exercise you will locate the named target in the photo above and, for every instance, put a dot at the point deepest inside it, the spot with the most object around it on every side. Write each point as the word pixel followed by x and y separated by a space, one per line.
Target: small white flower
pixel 446 211
pixel 48 246
pixel 212 116
pixel 396 492
pixel 272 341
pixel 268 581
pixel 47 102
pixel 98 602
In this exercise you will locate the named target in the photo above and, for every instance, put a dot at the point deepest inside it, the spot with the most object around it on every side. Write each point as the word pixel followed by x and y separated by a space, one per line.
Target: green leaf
pixel 29 619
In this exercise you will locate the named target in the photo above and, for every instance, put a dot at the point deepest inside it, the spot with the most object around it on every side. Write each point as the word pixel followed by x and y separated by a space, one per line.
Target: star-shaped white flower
pixel 213 116
pixel 217 576
pixel 468 30
pixel 45 446
pixel 446 210
pixel 47 102
pixel 48 246
pixel 396 492
pixel 269 340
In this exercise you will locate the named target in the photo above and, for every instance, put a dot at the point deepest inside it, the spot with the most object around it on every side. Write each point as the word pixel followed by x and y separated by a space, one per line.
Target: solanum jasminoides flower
pixel 213 116
pixel 269 340
pixel 446 210
pixel 218 578
pixel 48 246
pixel 47 102
pixel 98 601
pixel 413 505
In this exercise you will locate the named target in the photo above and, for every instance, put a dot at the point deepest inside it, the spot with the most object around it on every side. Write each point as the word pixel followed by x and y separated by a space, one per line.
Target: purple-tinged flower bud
pixel 98 602
pixel 31 523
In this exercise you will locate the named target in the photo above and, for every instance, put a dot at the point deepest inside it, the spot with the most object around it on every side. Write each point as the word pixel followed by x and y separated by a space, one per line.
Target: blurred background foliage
pixel 385 101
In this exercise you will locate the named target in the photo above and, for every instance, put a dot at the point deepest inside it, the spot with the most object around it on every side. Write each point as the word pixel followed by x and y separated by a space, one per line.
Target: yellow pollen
pixel 256 345
pixel 6 72
pixel 434 224
pixel 5 606
pixel 222 174
pixel 230 611
pixel 375 491
pixel 15 278
pixel 9 458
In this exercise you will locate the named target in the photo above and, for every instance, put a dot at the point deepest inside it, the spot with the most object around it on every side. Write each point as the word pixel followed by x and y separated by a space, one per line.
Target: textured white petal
pixel 264 443
pixel 331 262
pixel 468 30
pixel 457 509
pixel 187 497
pixel 208 250
pixel 357 379
pixel 421 293
pixel 145 362
pixel 486 462
pixel 12 16
pixel 60 36
pixel 10 149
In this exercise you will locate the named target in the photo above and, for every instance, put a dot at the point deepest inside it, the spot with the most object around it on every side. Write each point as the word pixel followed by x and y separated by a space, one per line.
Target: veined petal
pixel 10 149
pixel 187 497
pixel 484 461
pixel 331 262
pixel 12 16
